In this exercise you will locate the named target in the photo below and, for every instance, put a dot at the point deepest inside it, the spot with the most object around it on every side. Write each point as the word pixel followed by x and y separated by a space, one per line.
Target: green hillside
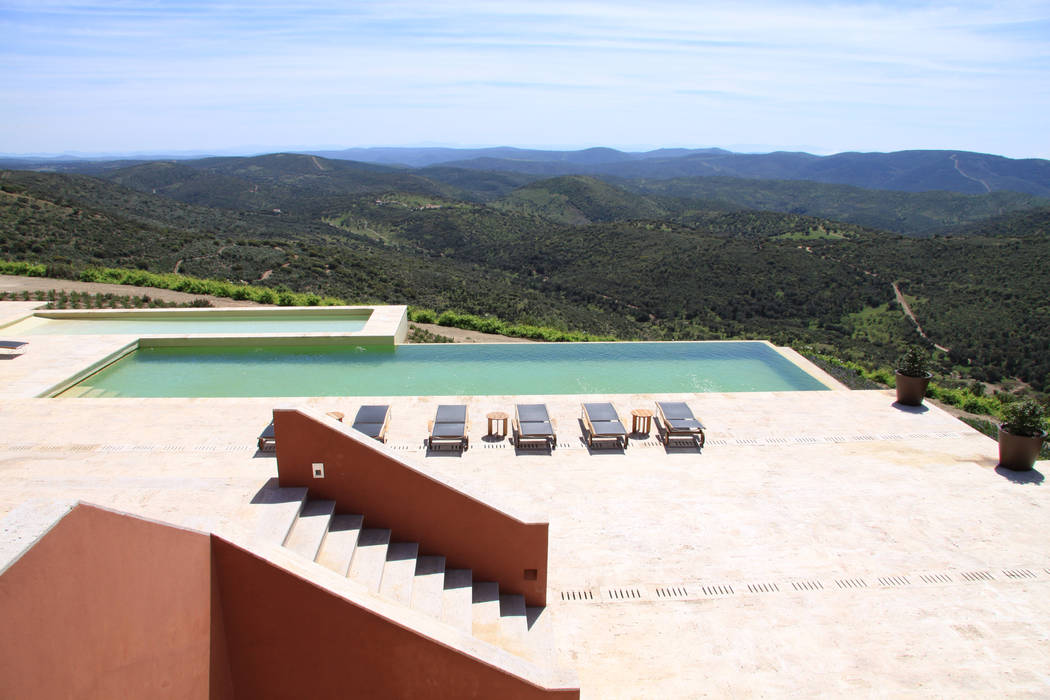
pixel 624 267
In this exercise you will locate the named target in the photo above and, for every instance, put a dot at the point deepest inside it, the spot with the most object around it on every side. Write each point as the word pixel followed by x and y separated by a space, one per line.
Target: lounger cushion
pixel 371 414
pixel 687 424
pixel 450 429
pixel 372 430
pixel 451 414
pixel 601 412
pixel 532 412
pixel 676 409
pixel 540 428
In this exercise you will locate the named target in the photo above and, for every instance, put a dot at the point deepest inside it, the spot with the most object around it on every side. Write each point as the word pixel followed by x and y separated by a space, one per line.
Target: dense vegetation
pixel 567 258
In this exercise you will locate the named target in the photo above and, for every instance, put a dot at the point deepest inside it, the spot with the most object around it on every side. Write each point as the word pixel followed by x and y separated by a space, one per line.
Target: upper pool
pixel 191 322
pixel 455 370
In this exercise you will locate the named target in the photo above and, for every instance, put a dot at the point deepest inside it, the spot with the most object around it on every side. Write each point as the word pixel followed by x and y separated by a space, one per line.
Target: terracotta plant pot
pixel 911 390
pixel 1019 452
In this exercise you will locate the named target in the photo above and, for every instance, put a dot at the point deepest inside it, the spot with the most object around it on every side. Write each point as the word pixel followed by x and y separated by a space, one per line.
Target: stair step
pixel 513 624
pixel 399 571
pixel 366 566
pixel 540 642
pixel 339 544
pixel 278 509
pixel 485 611
pixel 310 528
pixel 428 585
pixel 457 599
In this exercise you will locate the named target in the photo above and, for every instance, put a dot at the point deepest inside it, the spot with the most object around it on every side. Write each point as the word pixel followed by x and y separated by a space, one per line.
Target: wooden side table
pixel 497 421
pixel 641 421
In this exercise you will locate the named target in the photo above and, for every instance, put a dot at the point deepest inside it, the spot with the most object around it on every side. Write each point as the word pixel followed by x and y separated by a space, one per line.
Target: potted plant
pixel 1021 434
pixel 913 376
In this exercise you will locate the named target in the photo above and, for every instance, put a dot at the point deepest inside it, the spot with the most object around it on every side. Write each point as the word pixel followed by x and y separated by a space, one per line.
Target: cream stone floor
pixel 821 544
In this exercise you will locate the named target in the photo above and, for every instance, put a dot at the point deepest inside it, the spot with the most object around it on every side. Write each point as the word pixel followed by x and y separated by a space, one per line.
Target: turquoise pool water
pixel 174 323
pixel 457 370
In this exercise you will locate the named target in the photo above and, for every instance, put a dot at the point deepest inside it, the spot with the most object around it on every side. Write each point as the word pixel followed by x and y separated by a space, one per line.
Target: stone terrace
pixel 822 543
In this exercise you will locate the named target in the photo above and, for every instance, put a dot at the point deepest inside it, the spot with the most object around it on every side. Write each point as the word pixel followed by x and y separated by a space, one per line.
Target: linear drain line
pixel 724 590
pixel 763 588
pixel 977 576
pixel 807 585
pixel 672 592
pixel 935 578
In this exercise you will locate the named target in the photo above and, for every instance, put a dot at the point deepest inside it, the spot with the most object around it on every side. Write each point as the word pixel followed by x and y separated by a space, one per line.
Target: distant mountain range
pixel 905 171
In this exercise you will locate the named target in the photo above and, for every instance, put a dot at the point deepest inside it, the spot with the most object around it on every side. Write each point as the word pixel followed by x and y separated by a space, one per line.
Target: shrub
pixel 1025 418
pixel 915 362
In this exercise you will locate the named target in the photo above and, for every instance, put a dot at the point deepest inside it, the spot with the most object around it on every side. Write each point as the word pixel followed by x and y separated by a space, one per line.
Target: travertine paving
pixel 822 543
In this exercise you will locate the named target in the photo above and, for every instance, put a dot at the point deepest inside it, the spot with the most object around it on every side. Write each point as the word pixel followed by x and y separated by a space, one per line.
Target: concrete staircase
pixel 397 572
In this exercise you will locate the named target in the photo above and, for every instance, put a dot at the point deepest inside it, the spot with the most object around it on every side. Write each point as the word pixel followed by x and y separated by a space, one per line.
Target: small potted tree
pixel 1021 434
pixel 913 376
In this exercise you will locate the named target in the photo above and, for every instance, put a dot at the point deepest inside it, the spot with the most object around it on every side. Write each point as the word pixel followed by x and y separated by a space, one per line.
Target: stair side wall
pixel 107 605
pixel 362 476
pixel 290 638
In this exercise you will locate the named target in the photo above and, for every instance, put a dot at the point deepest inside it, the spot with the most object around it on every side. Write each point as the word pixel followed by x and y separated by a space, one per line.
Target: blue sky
pixel 261 76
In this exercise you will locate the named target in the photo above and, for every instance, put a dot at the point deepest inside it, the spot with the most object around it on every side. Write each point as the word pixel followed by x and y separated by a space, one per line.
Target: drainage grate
pixel 807 585
pixel 936 578
pixel 720 443
pixel 763 588
pixel 835 438
pixel 851 583
pixel 893 581
pixel 746 441
pixel 715 591
pixel 1018 573
pixel 623 593
pixel 777 441
pixel 672 592
pixel 863 438
pixel 891 436
pixel 807 440
pixel 977 576
pixel 577 595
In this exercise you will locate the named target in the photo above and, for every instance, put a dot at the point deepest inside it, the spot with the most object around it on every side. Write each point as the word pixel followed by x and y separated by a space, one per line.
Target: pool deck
pixel 821 544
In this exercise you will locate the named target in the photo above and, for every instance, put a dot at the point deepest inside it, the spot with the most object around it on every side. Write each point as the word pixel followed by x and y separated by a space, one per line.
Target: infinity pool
pixel 224 322
pixel 448 370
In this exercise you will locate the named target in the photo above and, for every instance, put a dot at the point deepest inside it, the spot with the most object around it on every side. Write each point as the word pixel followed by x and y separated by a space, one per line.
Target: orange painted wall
pixel 361 478
pixel 290 639
pixel 108 606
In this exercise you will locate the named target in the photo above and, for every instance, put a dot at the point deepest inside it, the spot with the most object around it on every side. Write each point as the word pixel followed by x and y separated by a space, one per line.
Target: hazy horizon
pixel 127 77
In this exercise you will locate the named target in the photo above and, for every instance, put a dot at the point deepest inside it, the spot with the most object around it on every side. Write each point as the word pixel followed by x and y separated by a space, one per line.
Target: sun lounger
pixel 14 347
pixel 449 427
pixel 603 424
pixel 533 425
pixel 267 439
pixel 677 420
pixel 372 421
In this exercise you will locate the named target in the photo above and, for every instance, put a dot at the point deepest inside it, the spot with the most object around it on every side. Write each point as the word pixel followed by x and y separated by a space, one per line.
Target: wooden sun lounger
pixel 373 421
pixel 677 420
pixel 603 424
pixel 15 347
pixel 533 425
pixel 267 439
pixel 449 427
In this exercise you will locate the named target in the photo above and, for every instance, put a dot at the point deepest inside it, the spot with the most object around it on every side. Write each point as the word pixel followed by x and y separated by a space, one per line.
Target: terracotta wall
pixel 288 638
pixel 106 605
pixel 362 477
